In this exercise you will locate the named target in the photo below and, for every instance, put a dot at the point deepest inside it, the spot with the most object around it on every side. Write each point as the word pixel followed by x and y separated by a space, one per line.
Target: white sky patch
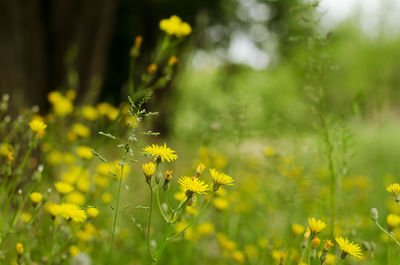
pixel 243 50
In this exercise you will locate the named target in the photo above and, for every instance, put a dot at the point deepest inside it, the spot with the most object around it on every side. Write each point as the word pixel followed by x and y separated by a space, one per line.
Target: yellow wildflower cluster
pixel 175 26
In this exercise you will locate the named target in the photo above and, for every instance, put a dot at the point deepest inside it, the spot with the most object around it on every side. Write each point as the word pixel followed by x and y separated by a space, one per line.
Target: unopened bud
pixel 374 214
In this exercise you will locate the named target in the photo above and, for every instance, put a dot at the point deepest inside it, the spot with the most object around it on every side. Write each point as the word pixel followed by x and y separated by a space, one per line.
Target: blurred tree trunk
pixel 47 45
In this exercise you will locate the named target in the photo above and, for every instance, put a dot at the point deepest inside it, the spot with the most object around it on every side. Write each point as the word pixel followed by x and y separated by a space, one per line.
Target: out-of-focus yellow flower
pixel 73 250
pixel 38 126
pixel 348 247
pixel 297 229
pixel 172 60
pixel 83 184
pixel 92 212
pixel 53 209
pixel 220 204
pixel 54 157
pixel 36 197
pixel 315 242
pixel 225 243
pixel 20 249
pixel 269 151
pixel 84 152
pixel 161 152
pixel 175 26
pixel 72 211
pixel 87 233
pixel 205 229
pixel 80 130
pixel 101 181
pixel 62 105
pixel 107 109
pixel 393 221
pixel 89 113
pixel 238 256
pixel 71 94
pixel 63 188
pixel 76 198
pixel 152 68
pixel 193 185
pixel 200 169
pixel 106 198
pixel 26 217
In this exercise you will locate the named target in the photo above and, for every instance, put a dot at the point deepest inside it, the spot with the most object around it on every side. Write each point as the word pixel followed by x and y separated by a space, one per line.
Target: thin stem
pixel 159 205
pixel 194 220
pixel 117 204
pixel 52 241
pixel 149 223
pixel 167 201
pixel 386 232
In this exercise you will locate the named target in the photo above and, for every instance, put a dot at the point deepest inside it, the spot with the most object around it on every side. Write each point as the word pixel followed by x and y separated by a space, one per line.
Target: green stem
pixel 386 232
pixel 194 220
pixel 149 222
pixel 159 205
pixel 52 242
pixel 117 204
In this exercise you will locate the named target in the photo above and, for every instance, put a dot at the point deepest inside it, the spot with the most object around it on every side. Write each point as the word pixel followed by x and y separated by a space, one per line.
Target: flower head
pixel 72 212
pixel 393 221
pixel 36 197
pixel 200 169
pixel 38 126
pixel 175 26
pixel 20 248
pixel 63 187
pixel 328 244
pixel 148 170
pixel 220 178
pixel 92 212
pixel 394 189
pixel 315 226
pixel 297 229
pixel 348 247
pixel 160 152
pixel 193 185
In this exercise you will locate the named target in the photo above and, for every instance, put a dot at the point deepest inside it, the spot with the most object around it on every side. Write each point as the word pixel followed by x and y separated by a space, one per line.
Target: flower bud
pixel 374 214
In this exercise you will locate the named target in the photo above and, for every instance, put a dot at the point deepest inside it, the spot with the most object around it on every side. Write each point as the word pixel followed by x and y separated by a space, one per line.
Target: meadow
pixel 296 164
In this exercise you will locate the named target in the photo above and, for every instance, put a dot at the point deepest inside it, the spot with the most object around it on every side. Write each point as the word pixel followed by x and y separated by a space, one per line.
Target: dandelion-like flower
pixel 193 185
pixel 393 221
pixel 36 197
pixel 71 211
pixel 63 188
pixel 175 26
pixel 148 170
pixel 38 126
pixel 160 152
pixel 315 226
pixel 394 189
pixel 348 247
pixel 220 178
pixel 20 249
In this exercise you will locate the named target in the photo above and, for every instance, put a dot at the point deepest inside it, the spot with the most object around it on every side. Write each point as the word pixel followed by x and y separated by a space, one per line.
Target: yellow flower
pixel 148 170
pixel 36 197
pixel 193 185
pixel 394 189
pixel 200 169
pixel 238 256
pixel 175 26
pixel 84 152
pixel 220 204
pixel 315 226
pixel 53 208
pixel 20 248
pixel 62 105
pixel 172 60
pixel 315 242
pixel 80 130
pixel 63 188
pixel 220 178
pixel 152 68
pixel 38 126
pixel 76 198
pixel 297 229
pixel 160 152
pixel 205 229
pixel 393 221
pixel 89 113
pixel 348 247
pixel 72 212
pixel 106 198
pixel 73 250
pixel 269 151
pixel 92 212
pixel 26 217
